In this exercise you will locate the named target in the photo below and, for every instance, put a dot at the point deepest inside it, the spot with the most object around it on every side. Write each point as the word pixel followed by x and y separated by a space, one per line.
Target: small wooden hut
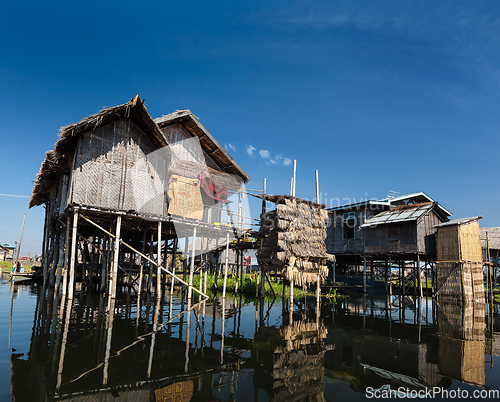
pixel 292 239
pixel 460 260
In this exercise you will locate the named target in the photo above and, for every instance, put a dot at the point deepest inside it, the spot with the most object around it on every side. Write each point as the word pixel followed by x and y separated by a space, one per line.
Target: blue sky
pixel 376 95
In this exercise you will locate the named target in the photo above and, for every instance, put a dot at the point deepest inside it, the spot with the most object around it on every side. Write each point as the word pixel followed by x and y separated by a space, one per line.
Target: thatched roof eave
pixel 68 137
pixel 209 144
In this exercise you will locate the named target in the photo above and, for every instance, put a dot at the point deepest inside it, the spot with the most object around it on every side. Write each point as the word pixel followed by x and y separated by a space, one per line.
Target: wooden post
pixel 188 324
pixel 202 249
pixel 109 336
pixel 390 276
pixel 158 269
pixel 174 262
pixel 186 252
pixel 225 268
pixel 364 273
pixel 114 272
pixel 263 282
pixel 191 269
pixel 317 187
pixel 419 278
pixel 71 284
pixel 263 200
pixel 60 262
pixel 66 255
pixel 290 318
pixel 139 286
pixel 403 277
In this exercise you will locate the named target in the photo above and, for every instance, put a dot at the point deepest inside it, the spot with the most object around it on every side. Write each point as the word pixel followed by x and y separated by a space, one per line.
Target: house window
pixel 348 225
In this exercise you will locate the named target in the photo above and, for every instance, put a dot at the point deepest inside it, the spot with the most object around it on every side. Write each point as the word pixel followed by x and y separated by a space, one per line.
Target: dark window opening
pixel 348 225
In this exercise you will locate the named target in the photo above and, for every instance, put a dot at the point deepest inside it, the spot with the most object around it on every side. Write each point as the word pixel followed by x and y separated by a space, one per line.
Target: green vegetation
pixel 249 285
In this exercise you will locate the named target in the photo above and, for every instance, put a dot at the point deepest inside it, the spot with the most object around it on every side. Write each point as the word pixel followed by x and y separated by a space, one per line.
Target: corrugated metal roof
pixel 459 221
pixel 407 214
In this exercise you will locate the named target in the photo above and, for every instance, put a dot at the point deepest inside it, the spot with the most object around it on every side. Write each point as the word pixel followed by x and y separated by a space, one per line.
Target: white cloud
pixel 250 150
pixel 287 162
pixel 264 153
pixel 230 147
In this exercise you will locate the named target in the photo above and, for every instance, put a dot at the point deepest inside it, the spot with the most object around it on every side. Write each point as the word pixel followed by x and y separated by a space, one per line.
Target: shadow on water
pixel 242 349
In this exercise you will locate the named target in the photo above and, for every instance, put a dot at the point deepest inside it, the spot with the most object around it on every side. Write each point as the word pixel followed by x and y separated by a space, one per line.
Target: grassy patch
pixel 249 286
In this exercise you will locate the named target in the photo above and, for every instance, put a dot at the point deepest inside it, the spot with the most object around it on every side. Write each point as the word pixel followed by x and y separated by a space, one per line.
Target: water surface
pixel 240 349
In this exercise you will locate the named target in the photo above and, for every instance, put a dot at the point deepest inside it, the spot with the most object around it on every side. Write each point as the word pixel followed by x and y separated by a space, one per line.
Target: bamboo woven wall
pixel 459 265
pixel 470 242
pixel 116 168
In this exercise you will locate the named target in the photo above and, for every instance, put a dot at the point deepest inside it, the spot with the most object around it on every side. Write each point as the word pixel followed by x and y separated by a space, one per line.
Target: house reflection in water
pixel 461 332
pixel 234 352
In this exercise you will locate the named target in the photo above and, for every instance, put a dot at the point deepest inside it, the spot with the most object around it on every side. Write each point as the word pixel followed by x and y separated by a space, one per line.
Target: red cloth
pixel 219 193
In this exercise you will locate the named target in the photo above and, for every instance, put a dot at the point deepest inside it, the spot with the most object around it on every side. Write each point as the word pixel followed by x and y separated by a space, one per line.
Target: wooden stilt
pixel 364 274
pixel 158 269
pixel 225 268
pixel 71 283
pixel 109 336
pixel 186 253
pixel 114 272
pixel 153 336
pixel 65 265
pixel 390 277
pixel 191 269
pixel 139 285
pixel 419 278
pixel 188 322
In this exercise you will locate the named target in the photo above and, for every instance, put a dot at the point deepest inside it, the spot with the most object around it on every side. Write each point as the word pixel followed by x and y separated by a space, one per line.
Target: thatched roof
pixel 292 238
pixel 57 160
pixel 192 124
pixel 493 238
pixel 281 199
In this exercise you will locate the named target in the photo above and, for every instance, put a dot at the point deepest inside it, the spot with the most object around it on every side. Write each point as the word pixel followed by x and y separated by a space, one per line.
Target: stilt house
pixel 402 225
pixel 121 165
pixel 460 260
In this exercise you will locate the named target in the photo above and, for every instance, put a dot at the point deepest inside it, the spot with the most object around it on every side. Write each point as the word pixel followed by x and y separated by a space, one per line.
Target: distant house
pixel 6 252
pixel 491 242
pixel 401 225
pixel 404 230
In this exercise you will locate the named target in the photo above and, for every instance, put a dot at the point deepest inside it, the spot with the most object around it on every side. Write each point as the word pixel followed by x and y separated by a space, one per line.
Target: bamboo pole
pixel 114 272
pixel 139 286
pixel 188 325
pixel 153 336
pixel 390 276
pixel 419 278
pixel 71 283
pixel 225 268
pixel 364 273
pixel 317 187
pixel 294 176
pixel 66 255
pixel 191 269
pixel 263 200
pixel 60 262
pixel 109 337
pixel 158 269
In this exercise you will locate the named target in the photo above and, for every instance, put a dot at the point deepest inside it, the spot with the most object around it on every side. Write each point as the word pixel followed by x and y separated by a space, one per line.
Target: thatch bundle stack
pixel 292 239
